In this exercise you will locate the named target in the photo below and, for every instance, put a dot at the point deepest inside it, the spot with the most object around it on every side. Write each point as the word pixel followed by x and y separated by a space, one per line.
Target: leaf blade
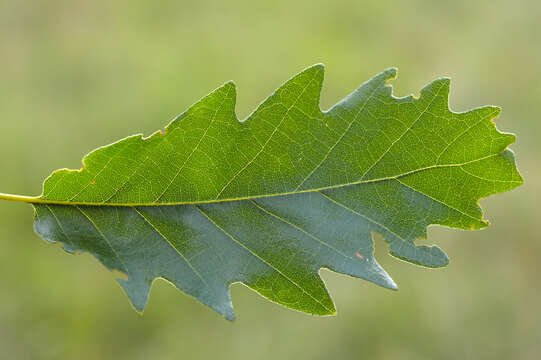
pixel 211 201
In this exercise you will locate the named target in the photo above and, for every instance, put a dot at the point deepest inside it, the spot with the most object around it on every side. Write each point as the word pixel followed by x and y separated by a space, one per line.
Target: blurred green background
pixel 75 75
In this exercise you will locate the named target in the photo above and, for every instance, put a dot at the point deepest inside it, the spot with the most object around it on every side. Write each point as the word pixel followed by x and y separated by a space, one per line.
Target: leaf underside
pixel 268 201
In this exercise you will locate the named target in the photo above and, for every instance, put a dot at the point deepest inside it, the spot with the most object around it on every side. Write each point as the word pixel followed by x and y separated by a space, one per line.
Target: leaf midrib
pixel 40 200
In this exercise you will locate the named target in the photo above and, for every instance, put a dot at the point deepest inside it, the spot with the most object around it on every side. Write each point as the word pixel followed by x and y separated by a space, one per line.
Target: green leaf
pixel 268 201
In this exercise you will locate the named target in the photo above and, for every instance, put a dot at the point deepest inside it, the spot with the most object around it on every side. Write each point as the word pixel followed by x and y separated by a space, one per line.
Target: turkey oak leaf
pixel 268 201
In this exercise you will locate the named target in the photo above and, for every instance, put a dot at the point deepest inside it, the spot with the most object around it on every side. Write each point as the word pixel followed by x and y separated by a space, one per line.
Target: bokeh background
pixel 75 75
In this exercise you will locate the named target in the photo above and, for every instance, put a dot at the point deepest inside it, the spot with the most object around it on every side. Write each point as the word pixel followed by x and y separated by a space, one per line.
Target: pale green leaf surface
pixel 268 201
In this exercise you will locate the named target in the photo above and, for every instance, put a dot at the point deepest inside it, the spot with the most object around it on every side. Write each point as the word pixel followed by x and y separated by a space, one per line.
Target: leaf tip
pixel 390 284
pixel 480 225
pixel 391 74
pixel 137 292
pixel 387 76
pixel 497 111
pixel 317 67
pixel 230 88
pixel 440 85
pixel 230 316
